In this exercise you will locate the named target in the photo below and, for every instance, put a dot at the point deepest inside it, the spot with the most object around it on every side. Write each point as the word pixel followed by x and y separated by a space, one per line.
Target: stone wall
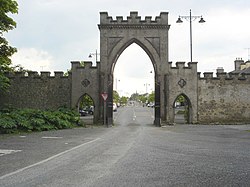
pixel 224 99
pixel 221 99
pixel 37 91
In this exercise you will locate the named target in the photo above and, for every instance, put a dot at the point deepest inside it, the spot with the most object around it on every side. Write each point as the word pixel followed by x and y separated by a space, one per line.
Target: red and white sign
pixel 104 96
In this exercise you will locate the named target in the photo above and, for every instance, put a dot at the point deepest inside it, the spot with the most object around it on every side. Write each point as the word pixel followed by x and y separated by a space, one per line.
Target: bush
pixel 26 120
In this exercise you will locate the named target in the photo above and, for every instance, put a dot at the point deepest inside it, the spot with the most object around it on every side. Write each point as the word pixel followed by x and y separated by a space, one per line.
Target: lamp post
pixel 116 83
pixel 91 54
pixel 190 18
pixel 146 87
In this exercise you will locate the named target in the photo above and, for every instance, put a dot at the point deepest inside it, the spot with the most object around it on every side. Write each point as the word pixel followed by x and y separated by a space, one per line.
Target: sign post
pixel 105 96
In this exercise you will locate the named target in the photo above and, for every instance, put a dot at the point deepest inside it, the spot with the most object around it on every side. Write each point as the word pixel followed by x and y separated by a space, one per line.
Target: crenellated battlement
pixel 224 76
pixel 35 74
pixel 182 65
pixel 133 20
pixel 84 65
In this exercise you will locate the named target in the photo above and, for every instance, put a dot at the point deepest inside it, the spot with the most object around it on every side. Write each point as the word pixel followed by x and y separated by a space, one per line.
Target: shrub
pixel 15 120
pixel 7 123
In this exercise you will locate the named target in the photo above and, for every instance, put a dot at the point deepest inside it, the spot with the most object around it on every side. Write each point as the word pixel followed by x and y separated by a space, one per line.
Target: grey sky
pixel 51 33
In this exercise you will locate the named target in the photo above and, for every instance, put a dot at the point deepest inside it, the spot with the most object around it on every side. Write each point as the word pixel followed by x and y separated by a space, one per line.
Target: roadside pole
pixel 105 96
pixel 105 106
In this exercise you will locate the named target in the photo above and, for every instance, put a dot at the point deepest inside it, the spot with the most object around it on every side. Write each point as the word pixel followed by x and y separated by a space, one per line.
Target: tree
pixel 134 97
pixel 143 98
pixel 86 101
pixel 116 97
pixel 6 51
pixel 151 97
pixel 124 100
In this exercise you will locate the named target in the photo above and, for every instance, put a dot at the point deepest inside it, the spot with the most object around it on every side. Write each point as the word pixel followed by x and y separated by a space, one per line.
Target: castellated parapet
pixel 180 65
pixel 35 74
pixel 133 20
pixel 225 76
pixel 84 65
pixel 191 67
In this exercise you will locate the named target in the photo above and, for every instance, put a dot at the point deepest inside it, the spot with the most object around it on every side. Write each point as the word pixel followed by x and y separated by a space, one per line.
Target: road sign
pixel 104 96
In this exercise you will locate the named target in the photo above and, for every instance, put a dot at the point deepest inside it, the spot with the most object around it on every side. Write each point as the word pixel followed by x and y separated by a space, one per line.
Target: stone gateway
pixel 223 99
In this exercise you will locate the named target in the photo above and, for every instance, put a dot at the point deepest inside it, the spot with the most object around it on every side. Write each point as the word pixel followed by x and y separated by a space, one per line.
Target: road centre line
pixel 51 137
pixel 48 159
pixel 134 116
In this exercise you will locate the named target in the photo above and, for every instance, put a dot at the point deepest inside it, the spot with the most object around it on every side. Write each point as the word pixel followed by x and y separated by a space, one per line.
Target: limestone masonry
pixel 220 99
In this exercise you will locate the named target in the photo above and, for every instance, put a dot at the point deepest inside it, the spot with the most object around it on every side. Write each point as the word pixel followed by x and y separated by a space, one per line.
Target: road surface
pixel 132 153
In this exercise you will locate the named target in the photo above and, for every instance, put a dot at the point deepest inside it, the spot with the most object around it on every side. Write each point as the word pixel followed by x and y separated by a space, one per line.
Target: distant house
pixel 241 67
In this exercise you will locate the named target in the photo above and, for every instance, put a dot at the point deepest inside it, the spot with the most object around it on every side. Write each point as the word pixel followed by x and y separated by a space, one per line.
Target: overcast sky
pixel 51 33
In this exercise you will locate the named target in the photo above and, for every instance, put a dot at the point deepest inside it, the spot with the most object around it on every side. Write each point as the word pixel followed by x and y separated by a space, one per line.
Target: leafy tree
pixel 116 97
pixel 151 97
pixel 86 101
pixel 124 100
pixel 18 68
pixel 143 98
pixel 6 51
pixel 134 97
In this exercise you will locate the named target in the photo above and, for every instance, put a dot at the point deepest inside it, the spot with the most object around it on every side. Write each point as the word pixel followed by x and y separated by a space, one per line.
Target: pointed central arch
pixel 151 36
pixel 133 66
pixel 117 51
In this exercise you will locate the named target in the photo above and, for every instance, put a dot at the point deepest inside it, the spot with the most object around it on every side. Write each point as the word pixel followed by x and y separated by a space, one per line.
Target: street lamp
pixel 91 55
pixel 190 18
pixel 146 87
pixel 116 83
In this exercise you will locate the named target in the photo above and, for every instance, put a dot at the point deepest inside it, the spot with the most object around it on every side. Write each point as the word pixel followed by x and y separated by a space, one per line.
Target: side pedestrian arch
pixel 182 108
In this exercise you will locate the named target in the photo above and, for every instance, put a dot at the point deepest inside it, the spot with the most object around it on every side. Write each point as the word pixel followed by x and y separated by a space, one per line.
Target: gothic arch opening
pixel 132 43
pixel 133 78
pixel 86 108
pixel 182 109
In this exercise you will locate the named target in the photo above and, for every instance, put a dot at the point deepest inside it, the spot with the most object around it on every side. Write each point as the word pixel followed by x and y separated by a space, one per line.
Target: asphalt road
pixel 132 153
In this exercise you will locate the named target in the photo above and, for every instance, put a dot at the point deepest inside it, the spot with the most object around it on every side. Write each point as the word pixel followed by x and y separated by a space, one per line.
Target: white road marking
pixel 22 136
pixel 48 159
pixel 51 137
pixel 8 151
pixel 134 116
